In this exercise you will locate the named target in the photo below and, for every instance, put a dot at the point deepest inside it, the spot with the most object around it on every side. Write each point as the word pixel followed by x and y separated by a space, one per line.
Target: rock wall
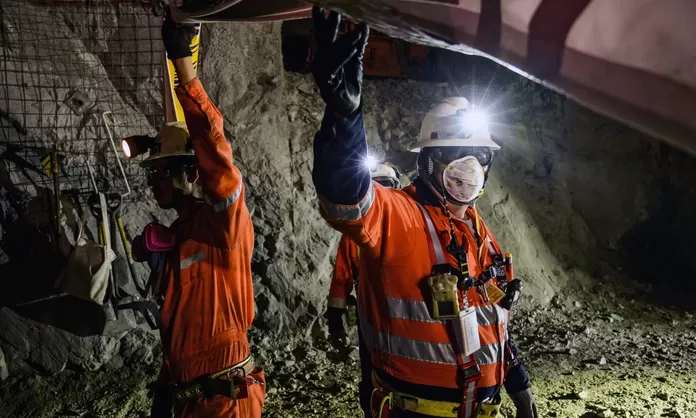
pixel 575 197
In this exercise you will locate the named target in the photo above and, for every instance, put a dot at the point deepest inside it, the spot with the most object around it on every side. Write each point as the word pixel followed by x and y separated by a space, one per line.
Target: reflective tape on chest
pixel 189 261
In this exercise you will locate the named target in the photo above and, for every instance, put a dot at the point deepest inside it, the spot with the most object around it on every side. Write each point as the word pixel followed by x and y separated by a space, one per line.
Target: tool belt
pixel 231 382
pixel 385 399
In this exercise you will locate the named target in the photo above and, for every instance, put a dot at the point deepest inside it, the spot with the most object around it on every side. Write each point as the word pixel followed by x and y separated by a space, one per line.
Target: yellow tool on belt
pixel 490 408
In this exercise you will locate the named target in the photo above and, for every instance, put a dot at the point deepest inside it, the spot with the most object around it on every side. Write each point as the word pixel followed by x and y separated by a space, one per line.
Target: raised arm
pixel 219 178
pixel 343 185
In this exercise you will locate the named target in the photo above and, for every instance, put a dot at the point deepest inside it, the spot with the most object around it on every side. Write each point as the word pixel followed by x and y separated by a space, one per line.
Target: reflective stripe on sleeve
pixel 349 212
pixel 224 204
pixel 336 302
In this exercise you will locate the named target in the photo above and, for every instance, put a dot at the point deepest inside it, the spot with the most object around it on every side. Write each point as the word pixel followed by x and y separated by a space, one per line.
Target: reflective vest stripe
pixel 404 347
pixel 414 310
pixel 349 212
pixel 439 253
pixel 424 350
pixel 224 204
pixel 490 314
pixel 489 354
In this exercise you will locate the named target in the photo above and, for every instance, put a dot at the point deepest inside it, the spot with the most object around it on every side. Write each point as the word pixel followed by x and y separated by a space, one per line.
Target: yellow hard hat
pixel 174 141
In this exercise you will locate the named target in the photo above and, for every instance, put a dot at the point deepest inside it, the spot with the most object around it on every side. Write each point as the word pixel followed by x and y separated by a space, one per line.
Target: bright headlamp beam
pixel 136 145
pixel 126 148
pixel 475 120
pixel 371 162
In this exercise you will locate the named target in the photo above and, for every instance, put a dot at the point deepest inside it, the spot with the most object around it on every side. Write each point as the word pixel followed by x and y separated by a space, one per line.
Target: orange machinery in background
pixel 390 57
pixel 384 56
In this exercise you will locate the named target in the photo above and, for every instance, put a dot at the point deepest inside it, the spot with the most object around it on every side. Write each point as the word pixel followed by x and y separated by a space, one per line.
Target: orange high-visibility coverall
pixel 410 350
pixel 208 298
pixel 345 272
pixel 404 340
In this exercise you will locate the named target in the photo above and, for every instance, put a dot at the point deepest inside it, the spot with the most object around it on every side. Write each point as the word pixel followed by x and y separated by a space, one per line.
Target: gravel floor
pixel 599 356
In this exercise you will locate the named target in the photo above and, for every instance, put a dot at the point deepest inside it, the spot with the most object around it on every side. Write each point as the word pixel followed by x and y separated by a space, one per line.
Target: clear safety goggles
pixel 446 155
pixel 159 174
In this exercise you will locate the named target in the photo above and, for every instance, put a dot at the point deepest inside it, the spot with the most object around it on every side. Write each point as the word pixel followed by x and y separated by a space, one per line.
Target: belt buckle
pixel 472 373
pixel 234 372
pixel 234 387
pixel 401 401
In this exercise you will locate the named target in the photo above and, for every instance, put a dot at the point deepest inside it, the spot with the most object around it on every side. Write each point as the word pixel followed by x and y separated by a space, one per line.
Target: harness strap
pixel 467 365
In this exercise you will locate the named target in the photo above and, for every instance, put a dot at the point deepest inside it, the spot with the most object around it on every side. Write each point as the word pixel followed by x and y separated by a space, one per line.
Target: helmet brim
pixel 151 160
pixel 456 142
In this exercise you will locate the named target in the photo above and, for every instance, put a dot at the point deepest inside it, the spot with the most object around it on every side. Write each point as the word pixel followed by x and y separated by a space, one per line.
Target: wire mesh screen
pixel 70 71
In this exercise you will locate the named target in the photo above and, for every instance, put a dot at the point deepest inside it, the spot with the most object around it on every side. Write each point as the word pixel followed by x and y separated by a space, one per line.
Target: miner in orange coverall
pixel 435 287
pixel 345 276
pixel 205 258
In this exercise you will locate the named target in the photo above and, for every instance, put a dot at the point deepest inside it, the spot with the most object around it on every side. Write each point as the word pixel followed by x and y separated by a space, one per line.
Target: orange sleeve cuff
pixel 191 95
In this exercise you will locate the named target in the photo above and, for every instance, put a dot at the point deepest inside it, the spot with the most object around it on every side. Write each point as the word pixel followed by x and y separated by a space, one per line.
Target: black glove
pixel 525 404
pixel 138 250
pixel 176 37
pixel 337 66
pixel 337 332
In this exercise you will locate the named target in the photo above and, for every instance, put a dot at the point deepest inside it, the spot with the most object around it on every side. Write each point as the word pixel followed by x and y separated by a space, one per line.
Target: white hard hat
pixel 385 173
pixel 454 122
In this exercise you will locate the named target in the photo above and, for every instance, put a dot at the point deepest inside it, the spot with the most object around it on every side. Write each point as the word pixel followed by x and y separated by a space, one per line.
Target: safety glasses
pixel 446 155
pixel 159 174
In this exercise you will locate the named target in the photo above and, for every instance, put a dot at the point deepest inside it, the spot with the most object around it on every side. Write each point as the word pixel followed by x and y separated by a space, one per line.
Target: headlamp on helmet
pixel 462 125
pixel 371 162
pixel 385 174
pixel 137 145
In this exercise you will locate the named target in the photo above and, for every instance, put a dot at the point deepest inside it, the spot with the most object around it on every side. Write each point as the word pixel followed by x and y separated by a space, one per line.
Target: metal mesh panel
pixel 63 64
